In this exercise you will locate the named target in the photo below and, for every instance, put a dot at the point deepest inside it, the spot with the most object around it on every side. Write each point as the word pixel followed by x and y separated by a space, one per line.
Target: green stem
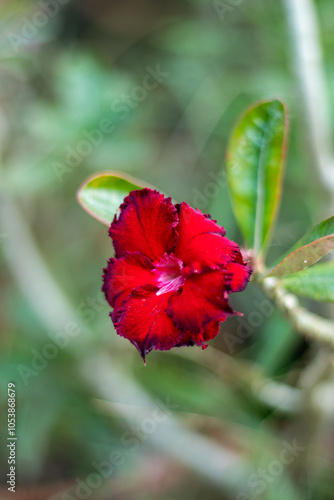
pixel 304 322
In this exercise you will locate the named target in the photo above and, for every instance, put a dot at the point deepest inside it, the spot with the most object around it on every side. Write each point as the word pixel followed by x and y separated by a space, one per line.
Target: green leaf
pixel 312 247
pixel 275 350
pixel 316 282
pixel 254 170
pixel 103 194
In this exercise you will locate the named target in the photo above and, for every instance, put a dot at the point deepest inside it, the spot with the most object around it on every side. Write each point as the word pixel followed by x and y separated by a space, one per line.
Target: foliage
pixel 62 84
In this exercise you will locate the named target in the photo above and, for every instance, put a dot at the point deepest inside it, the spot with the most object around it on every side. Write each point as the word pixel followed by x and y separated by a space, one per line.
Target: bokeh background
pixel 88 423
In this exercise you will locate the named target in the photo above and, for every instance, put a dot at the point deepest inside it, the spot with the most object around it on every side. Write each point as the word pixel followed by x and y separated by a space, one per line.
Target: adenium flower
pixel 173 272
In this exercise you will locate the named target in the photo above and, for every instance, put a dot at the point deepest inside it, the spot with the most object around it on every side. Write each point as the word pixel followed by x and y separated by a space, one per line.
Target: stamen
pixel 169 274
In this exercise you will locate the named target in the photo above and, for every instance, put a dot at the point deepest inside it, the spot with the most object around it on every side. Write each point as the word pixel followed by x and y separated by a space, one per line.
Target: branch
pixel 220 465
pixel 308 65
pixel 309 324
pixel 240 373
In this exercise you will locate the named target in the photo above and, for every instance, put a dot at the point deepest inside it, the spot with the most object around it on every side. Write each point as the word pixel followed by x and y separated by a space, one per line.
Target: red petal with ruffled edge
pixel 200 339
pixel 143 320
pixel 175 269
pixel 201 243
pixel 123 275
pixel 240 274
pixel 203 299
pixel 146 223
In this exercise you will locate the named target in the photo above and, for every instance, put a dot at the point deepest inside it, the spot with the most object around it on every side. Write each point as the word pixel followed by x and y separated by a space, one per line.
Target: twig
pixel 30 271
pixel 220 465
pixel 277 395
pixel 309 324
pixel 308 64
pixel 319 367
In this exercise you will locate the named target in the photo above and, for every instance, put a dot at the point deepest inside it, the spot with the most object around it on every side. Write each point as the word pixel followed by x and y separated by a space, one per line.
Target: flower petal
pixel 201 243
pixel 146 223
pixel 190 339
pixel 123 275
pixel 142 319
pixel 202 300
pixel 240 274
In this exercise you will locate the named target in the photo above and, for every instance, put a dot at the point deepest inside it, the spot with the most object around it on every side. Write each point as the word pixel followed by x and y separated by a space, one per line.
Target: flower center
pixel 168 272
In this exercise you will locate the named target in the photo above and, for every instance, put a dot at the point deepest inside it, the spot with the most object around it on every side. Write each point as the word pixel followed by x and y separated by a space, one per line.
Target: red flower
pixel 173 272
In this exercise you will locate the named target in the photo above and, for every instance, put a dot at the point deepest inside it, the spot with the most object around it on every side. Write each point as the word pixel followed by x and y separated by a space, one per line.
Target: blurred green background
pixel 66 67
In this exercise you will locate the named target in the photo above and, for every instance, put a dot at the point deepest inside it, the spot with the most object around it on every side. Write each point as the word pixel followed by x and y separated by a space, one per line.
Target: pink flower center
pixel 169 275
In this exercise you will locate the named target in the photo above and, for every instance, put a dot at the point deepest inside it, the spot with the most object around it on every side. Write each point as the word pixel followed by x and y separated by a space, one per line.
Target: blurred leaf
pixel 167 376
pixel 277 349
pixel 254 168
pixel 316 283
pixel 314 245
pixel 103 194
pixel 35 433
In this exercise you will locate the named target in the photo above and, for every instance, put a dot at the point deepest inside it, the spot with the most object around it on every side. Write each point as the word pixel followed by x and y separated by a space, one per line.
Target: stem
pixel 304 322
pixel 217 463
pixel 242 374
pixel 313 91
pixel 308 65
